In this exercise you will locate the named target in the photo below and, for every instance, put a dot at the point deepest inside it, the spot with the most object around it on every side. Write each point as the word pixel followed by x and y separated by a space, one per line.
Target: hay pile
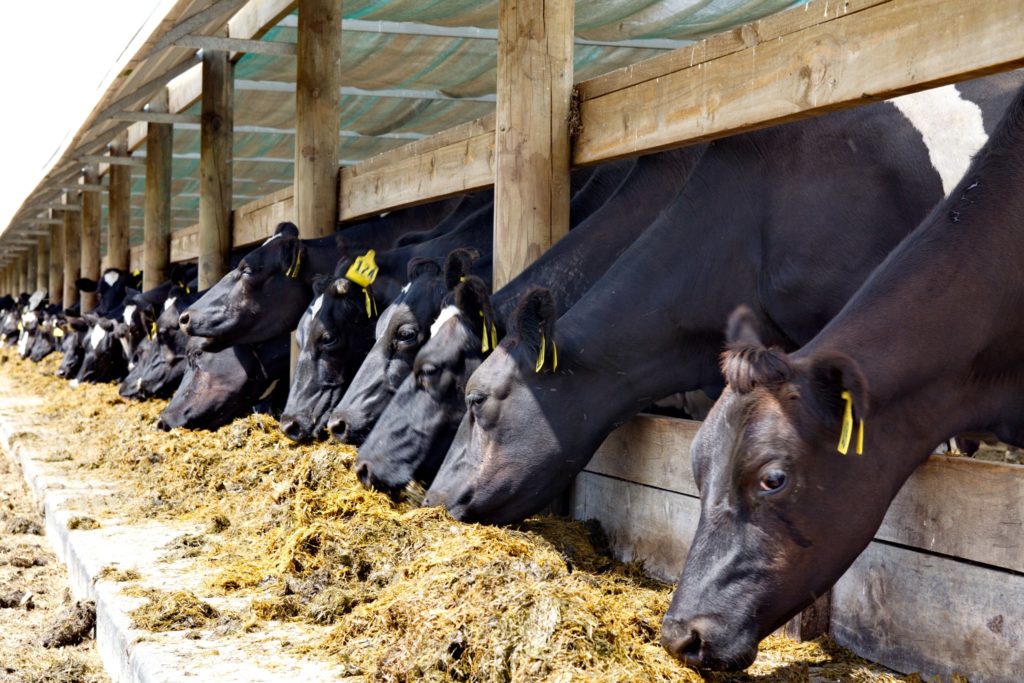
pixel 410 593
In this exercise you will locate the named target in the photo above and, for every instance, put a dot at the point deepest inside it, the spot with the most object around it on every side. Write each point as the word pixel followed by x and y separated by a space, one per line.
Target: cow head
pixel 415 430
pixel 48 337
pixel 262 298
pixel 219 386
pixel 333 337
pixel 76 332
pixel 494 472
pixel 103 359
pixel 112 288
pixel 402 331
pixel 159 369
pixel 783 514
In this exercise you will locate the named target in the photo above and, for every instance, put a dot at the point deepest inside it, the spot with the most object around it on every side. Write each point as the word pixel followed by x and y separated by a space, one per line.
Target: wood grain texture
pixel 257 220
pixel 317 117
pixel 531 148
pixel 917 612
pixel 844 59
pixel 119 207
pixel 56 279
pixel 90 263
pixel 72 248
pixel 156 226
pixel 43 263
pixel 215 168
pixel 30 269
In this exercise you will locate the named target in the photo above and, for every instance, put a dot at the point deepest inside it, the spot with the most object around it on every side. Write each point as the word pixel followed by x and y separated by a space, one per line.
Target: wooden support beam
pixel 809 60
pixel 90 263
pixel 56 280
pixel 157 221
pixel 43 263
pixel 152 116
pixel 238 46
pixel 531 174
pixel 19 273
pixel 82 187
pixel 317 117
pixel 215 168
pixel 111 160
pixel 72 250
pixel 31 263
pixel 119 205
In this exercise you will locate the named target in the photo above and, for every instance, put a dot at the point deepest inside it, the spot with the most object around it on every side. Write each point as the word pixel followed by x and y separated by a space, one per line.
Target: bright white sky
pixel 54 57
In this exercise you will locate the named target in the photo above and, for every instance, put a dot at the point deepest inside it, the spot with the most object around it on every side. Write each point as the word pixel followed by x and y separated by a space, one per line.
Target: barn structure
pixel 229 116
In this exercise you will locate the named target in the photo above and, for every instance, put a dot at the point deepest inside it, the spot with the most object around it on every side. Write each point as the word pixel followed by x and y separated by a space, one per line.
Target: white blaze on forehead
pixel 170 302
pixel 271 239
pixel 446 314
pixel 952 128
pixel 96 336
pixel 269 391
pixel 29 318
pixel 317 305
pixel 129 311
pixel 111 277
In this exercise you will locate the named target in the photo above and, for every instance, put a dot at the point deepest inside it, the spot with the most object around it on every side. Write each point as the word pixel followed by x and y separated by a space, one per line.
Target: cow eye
pixel 406 334
pixel 772 481
pixel 428 370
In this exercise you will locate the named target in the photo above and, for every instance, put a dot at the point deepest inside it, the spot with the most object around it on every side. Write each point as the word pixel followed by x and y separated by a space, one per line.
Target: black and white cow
pixel 158 365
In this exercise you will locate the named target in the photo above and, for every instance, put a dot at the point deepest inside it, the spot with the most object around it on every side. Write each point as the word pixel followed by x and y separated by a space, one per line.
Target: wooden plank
pixel 185 244
pixel 650 450
pixel 257 220
pixel 119 215
pixel 258 17
pixel 215 168
pixel 43 263
pixel 90 263
pixel 156 228
pixel 461 166
pixel 883 50
pixel 317 116
pixel 916 612
pixel 72 250
pixel 30 269
pixel 531 149
pixel 657 531
pixel 55 284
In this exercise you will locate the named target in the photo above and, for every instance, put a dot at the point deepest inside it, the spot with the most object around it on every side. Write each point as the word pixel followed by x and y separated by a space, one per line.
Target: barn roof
pixel 411 69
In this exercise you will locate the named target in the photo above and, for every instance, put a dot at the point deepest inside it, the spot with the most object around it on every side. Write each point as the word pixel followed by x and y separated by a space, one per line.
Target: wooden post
pixel 317 117
pixel 43 264
pixel 119 207
pixel 56 279
pixel 90 263
pixel 156 254
pixel 72 251
pixel 531 174
pixel 215 167
pixel 31 263
pixel 19 273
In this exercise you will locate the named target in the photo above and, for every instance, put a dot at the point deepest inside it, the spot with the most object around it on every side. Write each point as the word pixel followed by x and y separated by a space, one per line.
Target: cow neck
pixel 933 328
pixel 320 256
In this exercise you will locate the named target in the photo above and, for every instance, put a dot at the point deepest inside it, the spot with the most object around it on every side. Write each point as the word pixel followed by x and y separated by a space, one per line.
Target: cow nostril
pixel 685 643
pixel 292 429
pixel 338 429
pixel 183 320
pixel 161 425
pixel 363 474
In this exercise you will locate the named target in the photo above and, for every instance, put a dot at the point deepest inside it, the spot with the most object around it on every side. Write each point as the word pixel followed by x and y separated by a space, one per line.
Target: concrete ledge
pixel 129 654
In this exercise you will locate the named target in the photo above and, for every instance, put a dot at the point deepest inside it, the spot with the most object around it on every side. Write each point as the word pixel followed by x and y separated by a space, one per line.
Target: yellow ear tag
pixel 370 301
pixel 58 333
pixel 540 355
pixel 136 273
pixel 187 290
pixel 485 344
pixel 152 331
pixel 494 336
pixel 293 271
pixel 554 355
pixel 21 327
pixel 363 270
pixel 847 430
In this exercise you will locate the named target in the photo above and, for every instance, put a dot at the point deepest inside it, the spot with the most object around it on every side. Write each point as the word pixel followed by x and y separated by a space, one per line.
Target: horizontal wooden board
pixel 842 60
pixel 257 220
pixel 913 612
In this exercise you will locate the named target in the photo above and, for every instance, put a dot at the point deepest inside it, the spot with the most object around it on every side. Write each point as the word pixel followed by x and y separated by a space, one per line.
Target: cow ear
pixel 747 363
pixel 292 253
pixel 533 323
pixel 320 284
pixel 458 266
pixel 84 284
pixel 473 298
pixel 421 267
pixel 287 229
pixel 830 375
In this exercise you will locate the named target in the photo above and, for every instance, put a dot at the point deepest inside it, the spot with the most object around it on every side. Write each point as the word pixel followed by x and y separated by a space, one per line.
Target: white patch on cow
pixel 170 302
pixel 96 336
pixel 446 314
pixel 111 277
pixel 269 390
pixel 74 383
pixel 952 128
pixel 131 366
pixel 29 318
pixel 405 289
pixel 129 311
pixel 126 345
pixel 23 344
pixel 271 239
pixel 317 305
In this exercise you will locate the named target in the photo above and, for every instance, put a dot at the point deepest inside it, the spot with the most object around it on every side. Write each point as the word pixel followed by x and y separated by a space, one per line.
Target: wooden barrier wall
pixel 940 590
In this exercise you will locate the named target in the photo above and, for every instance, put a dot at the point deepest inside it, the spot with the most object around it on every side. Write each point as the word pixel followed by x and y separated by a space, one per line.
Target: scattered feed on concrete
pixel 117 575
pixel 83 523
pixel 74 624
pixel 410 593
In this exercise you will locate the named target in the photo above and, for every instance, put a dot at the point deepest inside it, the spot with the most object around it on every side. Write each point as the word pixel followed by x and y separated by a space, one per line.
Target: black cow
pixel 783 514
pixel 424 414
pixel 788 220
pixel 72 346
pixel 267 293
pixel 111 290
pixel 49 334
pixel 219 386
pixel 103 358
pixel 159 363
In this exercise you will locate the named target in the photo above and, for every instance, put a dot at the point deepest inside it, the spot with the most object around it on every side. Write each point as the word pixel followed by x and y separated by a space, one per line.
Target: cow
pixel 266 295
pixel 801 457
pixel 49 334
pixel 72 346
pixel 422 416
pixel 111 289
pixel 103 358
pixel 159 364
pixel 762 222
pixel 219 386
pixel 615 203
pixel 348 312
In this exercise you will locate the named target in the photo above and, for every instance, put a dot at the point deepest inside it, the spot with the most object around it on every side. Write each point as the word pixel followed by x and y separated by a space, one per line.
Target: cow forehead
pixel 97 335
pixel 129 311
pixel 446 314
pixel 170 302
pixel 111 277
pixel 317 305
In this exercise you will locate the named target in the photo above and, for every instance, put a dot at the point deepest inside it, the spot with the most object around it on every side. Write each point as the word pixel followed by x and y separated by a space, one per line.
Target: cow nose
pixel 292 429
pixel 683 641
pixel 363 474
pixel 183 321
pixel 161 425
pixel 338 428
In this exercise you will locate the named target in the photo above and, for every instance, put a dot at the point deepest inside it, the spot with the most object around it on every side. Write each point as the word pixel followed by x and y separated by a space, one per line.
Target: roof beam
pixel 156 117
pixel 237 45
pixel 85 187
pixel 195 22
pixel 64 207
pixel 285 86
pixel 291 131
pixel 111 160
